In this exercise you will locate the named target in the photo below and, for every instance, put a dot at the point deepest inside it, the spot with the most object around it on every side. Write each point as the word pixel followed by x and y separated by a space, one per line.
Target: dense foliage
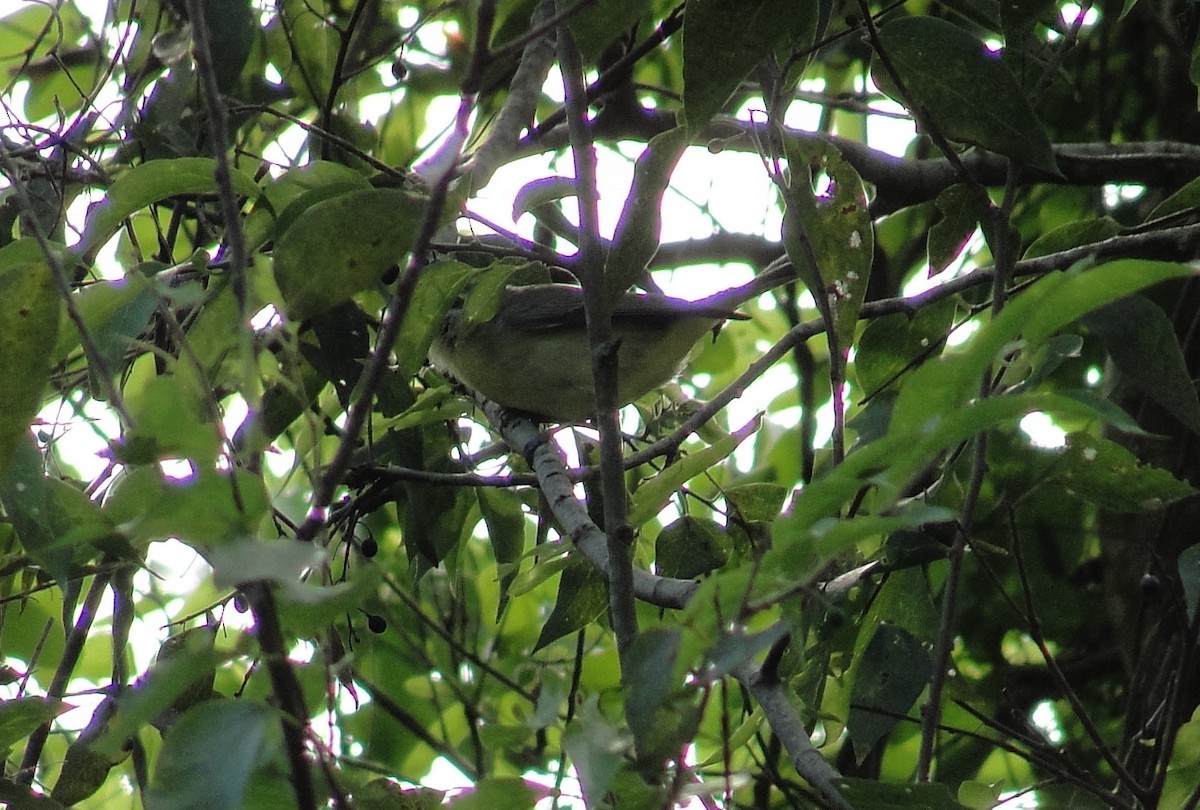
pixel 257 553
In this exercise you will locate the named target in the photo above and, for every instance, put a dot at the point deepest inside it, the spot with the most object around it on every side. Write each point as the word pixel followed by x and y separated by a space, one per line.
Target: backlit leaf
pixel 29 315
pixel 208 757
pixel 152 182
pixel 343 245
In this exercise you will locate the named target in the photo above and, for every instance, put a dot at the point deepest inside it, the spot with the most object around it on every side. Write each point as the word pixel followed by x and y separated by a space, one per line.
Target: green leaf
pixel 341 349
pixel 741 737
pixel 549 562
pixel 757 502
pixel 946 71
pixel 827 538
pixel 434 520
pixel 31 503
pixel 61 91
pixel 582 598
pixel 828 232
pixel 20 716
pixel 650 497
pixel 811 532
pixel 1189 578
pixel 691 547
pixel 208 757
pixel 888 679
pixel 1044 360
pixel 596 748
pixel 499 791
pixel 734 649
pixel 482 300
pixel 871 794
pixel 979 795
pixel 650 681
pixel 168 421
pixel 441 283
pixel 637 234
pixel 894 344
pixel 1183 774
pixel 722 42
pixel 149 183
pixel 181 677
pixel 29 316
pixel 384 794
pixel 84 769
pixel 278 561
pixel 343 245
pixel 596 26
pixel 947 383
pixel 283 199
pixel 1073 234
pixel 1186 198
pixel 232 29
pixel 114 313
pixel 903 599
pixel 1104 473
pixel 205 510
pixel 504 515
pixel 1139 337
pixel 962 207
pixel 542 191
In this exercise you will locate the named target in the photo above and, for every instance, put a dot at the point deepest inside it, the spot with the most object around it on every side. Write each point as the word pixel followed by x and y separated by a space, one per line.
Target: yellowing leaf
pixel 29 307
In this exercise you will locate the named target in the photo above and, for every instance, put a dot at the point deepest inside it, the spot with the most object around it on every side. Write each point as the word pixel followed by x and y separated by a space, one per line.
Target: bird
pixel 533 355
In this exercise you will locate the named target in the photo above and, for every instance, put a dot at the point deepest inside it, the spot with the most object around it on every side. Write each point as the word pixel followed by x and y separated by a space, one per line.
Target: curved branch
pixel 572 516
pixel 785 721
pixel 901 182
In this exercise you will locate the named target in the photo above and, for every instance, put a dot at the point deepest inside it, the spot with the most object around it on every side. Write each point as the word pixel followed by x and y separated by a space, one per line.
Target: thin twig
pixel 1077 707
pixel 617 72
pixel 72 649
pixel 523 94
pixel 286 687
pixel 346 39
pixel 235 239
pixel 932 713
pixel 268 630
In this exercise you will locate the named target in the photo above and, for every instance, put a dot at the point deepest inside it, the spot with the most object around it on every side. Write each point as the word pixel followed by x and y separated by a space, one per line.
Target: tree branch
pixel 62 675
pixel 900 182
pixel 556 484
pixel 605 346
pixel 519 108
pixel 785 721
